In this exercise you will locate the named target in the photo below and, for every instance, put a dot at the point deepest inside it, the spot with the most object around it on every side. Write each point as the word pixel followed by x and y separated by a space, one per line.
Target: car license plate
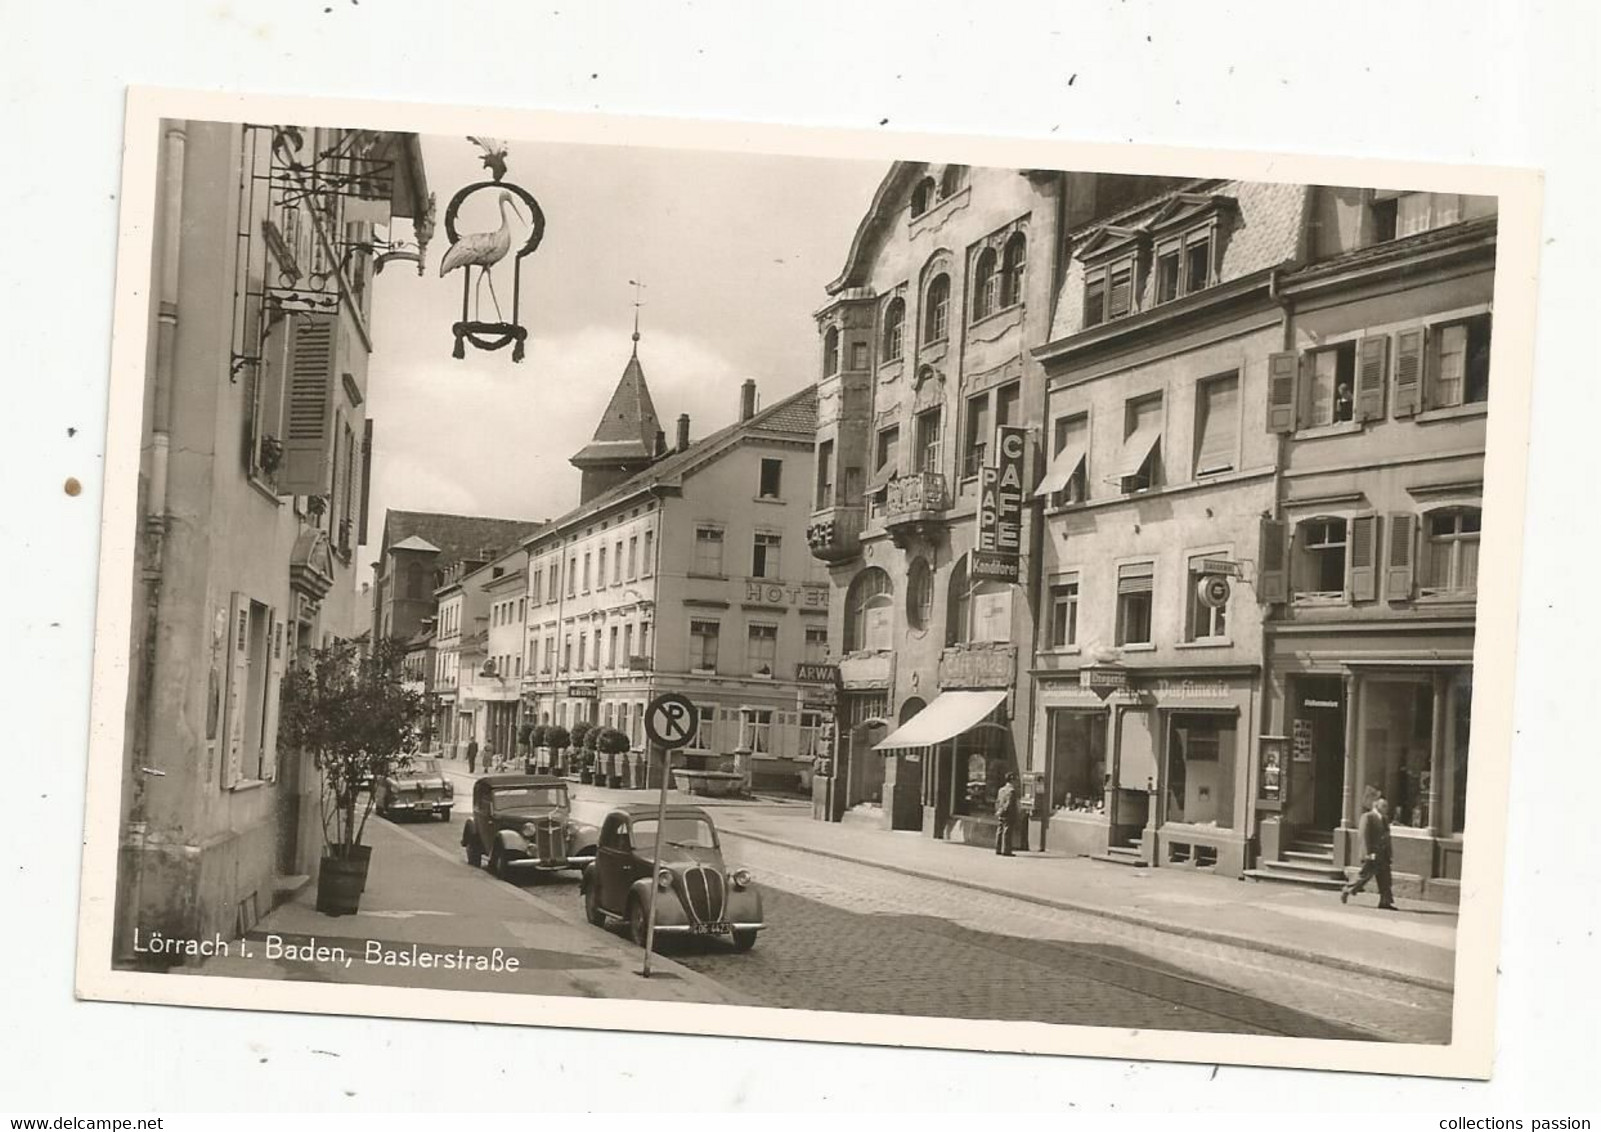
pixel 711 927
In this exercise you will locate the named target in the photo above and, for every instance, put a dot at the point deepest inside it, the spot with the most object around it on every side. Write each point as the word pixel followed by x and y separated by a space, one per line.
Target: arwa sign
pixel 997 555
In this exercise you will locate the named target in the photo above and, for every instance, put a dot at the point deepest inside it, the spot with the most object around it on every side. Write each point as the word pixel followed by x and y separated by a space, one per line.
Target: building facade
pixel 252 492
pixel 415 549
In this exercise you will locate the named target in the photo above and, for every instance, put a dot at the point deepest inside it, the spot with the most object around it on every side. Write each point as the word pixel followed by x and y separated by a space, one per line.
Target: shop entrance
pixel 1317 750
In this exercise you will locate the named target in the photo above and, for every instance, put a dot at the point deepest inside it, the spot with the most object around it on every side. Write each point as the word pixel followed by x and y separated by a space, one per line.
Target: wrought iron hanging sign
pixel 484 250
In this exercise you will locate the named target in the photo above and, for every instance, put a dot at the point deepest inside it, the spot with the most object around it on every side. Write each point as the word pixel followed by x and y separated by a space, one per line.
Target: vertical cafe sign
pixel 998 554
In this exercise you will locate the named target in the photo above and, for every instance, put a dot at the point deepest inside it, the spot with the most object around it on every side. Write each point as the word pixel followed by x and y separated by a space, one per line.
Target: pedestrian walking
pixel 472 755
pixel 1375 855
pixel 1005 815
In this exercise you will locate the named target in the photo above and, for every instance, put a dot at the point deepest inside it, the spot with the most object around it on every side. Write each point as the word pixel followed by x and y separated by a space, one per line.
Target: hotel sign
pixel 808 596
pixel 997 554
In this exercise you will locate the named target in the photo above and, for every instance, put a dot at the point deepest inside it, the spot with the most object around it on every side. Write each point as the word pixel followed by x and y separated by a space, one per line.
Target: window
pixel 958 604
pixel 600 575
pixel 894 329
pixel 617 564
pixel 1328 389
pixel 703 646
pixel 1007 400
pixel 923 196
pixel 811 734
pixel 928 439
pixel 764 561
pixel 858 356
pixel 936 307
pixel 1135 583
pixel 951 180
pixel 1077 760
pixel 1201 621
pixel 869 612
pixel 756 730
pixel 825 474
pixel 1217 424
pixel 583 651
pixel 550 654
pixel 1400 214
pixel 628 645
pixel 772 478
pixel 979 431
pixel 596 653
pixel 1063 613
pixel 644 639
pixel 986 284
pixel 831 351
pixel 567 652
pixel 816 644
pixel 1184 264
pixel 554 591
pixel 633 557
pixel 572 577
pixel 647 564
pixel 919 593
pixel 1450 562
pixel 761 648
pixel 1458 371
pixel 1140 464
pixel 889 442
pixel 611 648
pixel 1014 262
pixel 1397 728
pixel 709 551
pixel 1108 292
pixel 1200 768
pixel 1066 481
pixel 1320 559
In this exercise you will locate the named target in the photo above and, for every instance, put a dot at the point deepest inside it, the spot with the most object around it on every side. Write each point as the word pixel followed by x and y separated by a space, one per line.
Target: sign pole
pixel 656 864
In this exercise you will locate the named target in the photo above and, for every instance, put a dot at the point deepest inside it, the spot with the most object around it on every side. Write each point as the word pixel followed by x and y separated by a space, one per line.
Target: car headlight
pixel 530 832
pixel 739 878
pixel 450 791
pixel 664 880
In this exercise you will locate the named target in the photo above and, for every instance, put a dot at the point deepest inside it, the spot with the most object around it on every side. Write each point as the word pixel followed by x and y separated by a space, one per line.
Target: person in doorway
pixel 1375 855
pixel 472 755
pixel 1005 815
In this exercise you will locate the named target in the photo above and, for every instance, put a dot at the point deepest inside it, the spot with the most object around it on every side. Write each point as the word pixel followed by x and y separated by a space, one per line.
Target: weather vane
pixel 484 250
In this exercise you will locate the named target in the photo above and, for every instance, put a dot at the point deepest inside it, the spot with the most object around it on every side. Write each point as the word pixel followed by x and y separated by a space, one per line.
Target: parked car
pixel 417 787
pixel 523 822
pixel 697 894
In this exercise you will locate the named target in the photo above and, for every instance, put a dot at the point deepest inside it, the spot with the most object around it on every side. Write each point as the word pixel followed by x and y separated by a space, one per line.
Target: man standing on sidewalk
pixel 1005 815
pixel 1375 855
pixel 472 754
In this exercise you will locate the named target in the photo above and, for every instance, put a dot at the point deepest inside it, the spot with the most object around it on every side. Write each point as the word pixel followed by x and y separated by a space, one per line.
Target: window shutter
pixel 1271 577
pixel 1362 560
pixel 309 428
pixel 275 675
pixel 1408 372
pixel 1371 356
pixel 366 478
pixel 233 721
pixel 1398 579
pixel 1281 383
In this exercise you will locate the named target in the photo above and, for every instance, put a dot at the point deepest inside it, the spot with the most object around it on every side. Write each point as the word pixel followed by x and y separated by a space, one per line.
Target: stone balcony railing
pixel 834 534
pixel 911 501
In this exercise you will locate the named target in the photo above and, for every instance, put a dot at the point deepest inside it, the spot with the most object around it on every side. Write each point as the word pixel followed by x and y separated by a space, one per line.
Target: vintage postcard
pixel 731 579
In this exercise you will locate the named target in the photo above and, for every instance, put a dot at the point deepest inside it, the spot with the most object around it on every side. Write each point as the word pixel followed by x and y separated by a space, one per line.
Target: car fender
pixel 510 841
pixel 586 879
pixel 669 909
pixel 744 905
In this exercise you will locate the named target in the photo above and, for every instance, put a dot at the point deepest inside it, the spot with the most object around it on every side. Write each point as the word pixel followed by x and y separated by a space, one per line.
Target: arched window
pixel 952 180
pixel 919 593
pixel 1450 560
pixel 894 329
pixel 831 352
pixel 958 605
pixel 1013 260
pixel 936 308
pixel 986 284
pixel 923 196
pixel 869 612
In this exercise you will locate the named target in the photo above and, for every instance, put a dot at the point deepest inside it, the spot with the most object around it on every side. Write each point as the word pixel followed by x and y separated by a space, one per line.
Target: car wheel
pixel 744 939
pixel 592 910
pixel 475 855
pixel 638 923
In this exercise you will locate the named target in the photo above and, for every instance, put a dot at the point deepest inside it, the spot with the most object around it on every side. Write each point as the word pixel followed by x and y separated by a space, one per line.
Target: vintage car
pixel 523 822
pixel 417 786
pixel 696 893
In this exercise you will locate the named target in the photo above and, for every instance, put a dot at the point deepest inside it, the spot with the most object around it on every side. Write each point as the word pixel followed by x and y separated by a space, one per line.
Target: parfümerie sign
pixel 998 553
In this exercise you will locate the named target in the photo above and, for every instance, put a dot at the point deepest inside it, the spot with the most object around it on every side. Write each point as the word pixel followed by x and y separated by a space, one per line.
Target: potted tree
pixel 350 708
pixel 536 747
pixel 580 732
pixel 557 738
pixel 613 746
pixel 591 757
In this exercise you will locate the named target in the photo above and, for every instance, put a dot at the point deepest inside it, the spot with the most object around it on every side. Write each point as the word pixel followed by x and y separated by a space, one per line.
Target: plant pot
pixel 340 881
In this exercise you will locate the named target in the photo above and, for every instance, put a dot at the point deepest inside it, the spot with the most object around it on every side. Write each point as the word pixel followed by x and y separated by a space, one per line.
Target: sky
pixel 734 251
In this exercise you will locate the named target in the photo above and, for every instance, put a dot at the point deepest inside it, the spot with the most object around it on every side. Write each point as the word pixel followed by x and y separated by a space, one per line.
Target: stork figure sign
pixel 484 250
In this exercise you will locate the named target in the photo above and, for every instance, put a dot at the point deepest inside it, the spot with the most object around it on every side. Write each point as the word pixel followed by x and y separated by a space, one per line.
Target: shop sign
pixel 989 566
pixel 807 672
pixel 977 666
pixel 583 690
pixel 1103 679
pixel 770 593
pixel 1000 503
pixel 1192 689
pixel 824 706
pixel 1220 566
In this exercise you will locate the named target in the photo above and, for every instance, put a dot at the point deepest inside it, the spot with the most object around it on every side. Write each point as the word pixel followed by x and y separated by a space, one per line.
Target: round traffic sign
pixel 671 720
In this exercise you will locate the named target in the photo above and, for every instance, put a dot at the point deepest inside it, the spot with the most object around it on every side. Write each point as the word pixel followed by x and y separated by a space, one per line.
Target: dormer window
pixel 1184 264
pixel 1109 292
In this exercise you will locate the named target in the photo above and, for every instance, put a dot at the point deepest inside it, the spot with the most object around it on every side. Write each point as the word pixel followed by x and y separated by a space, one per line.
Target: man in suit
pixel 1005 815
pixel 1375 855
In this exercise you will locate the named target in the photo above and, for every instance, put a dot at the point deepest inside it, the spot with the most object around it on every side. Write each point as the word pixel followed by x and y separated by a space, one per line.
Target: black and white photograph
pixel 653 575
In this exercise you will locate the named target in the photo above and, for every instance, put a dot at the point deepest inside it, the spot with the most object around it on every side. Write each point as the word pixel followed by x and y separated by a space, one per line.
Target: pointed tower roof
pixel 628 427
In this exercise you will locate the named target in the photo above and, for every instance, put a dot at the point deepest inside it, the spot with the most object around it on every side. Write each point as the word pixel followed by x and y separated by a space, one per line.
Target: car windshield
pixel 684 833
pixel 428 767
pixel 521 797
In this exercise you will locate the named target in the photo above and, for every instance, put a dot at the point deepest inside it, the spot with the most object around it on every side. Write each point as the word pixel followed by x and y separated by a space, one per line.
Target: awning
pixel 1062 469
pixel 1136 449
pixel 882 477
pixel 948 716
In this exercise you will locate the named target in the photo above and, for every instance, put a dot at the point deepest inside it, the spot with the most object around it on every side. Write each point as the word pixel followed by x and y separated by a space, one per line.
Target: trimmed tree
pixel 557 739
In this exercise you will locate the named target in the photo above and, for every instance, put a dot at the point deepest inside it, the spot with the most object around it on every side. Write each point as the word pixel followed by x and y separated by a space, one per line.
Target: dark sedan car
pixel 417 787
pixel 523 822
pixel 697 894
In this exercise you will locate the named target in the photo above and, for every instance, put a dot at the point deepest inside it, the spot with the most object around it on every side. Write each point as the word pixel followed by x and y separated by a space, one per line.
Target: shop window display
pixel 1078 761
pixel 1398 725
pixel 1200 769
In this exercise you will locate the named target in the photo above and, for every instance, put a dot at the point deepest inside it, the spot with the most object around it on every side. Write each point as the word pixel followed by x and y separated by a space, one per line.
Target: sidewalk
pixel 1416 945
pixel 421 894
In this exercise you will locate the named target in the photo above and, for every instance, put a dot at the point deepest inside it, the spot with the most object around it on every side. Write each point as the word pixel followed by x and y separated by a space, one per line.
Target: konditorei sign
pixel 997 554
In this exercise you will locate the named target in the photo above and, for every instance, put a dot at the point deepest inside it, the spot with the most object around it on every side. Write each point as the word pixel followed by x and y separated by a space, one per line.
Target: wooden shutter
pixel 1361 560
pixel 1272 578
pixel 1371 356
pixel 309 421
pixel 366 479
pixel 1408 379
pixel 275 675
pixel 1398 578
pixel 1282 372
pixel 233 719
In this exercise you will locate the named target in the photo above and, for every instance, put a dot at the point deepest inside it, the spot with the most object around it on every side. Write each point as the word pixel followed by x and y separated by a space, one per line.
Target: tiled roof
pixel 456 536
pixel 628 427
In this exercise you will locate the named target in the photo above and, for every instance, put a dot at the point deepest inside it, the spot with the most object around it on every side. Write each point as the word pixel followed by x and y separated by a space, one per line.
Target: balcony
pixel 913 504
pixel 834 534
